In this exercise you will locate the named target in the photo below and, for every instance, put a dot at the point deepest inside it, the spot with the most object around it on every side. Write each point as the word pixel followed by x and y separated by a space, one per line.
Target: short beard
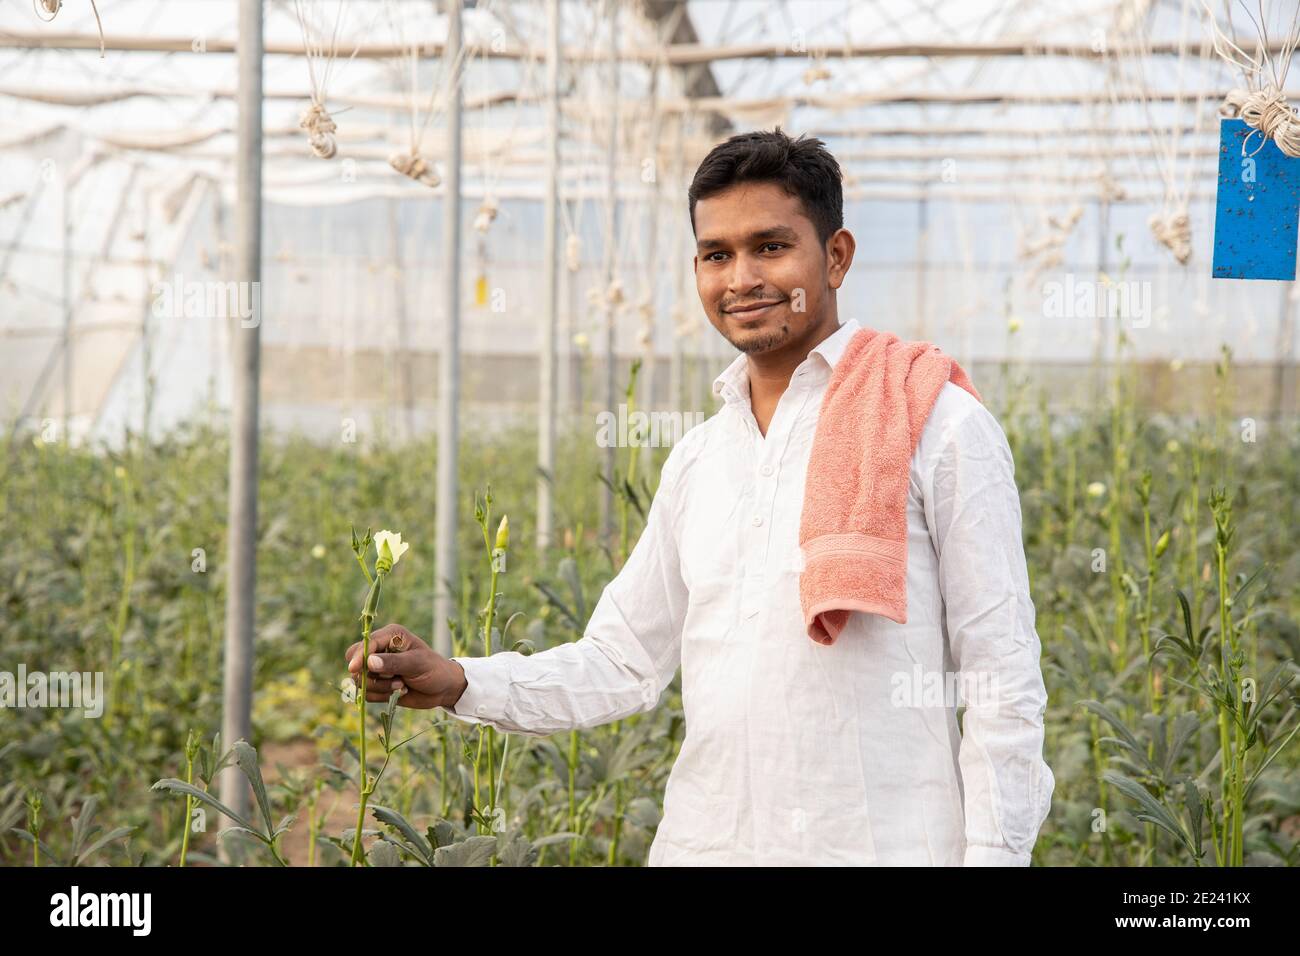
pixel 766 342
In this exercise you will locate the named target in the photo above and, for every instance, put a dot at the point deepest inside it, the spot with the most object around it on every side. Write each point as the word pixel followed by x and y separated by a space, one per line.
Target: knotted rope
pixel 1266 111
pixel 415 166
pixel 1173 230
pixel 487 212
pixel 52 7
pixel 320 129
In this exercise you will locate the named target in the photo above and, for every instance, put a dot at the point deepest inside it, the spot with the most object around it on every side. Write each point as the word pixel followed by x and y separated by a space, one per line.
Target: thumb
pixel 392 663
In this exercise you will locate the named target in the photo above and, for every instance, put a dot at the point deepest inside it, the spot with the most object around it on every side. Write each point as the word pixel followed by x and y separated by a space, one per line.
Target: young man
pixel 796 752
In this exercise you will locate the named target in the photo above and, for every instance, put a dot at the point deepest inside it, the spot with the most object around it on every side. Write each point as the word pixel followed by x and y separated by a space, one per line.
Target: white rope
pixel 1260 102
pixel 413 163
pixel 52 7
pixel 315 119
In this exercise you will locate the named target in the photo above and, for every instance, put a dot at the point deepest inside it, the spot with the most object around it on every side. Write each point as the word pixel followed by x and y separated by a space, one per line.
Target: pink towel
pixel 853 531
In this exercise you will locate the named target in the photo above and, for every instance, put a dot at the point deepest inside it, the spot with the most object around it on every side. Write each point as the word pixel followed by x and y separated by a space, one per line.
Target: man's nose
pixel 745 275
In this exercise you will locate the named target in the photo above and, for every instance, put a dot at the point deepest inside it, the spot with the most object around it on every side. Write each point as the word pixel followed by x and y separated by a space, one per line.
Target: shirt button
pixel 766 469
pixel 758 520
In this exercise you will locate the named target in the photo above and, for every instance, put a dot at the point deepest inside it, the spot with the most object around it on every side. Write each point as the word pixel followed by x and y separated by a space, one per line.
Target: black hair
pixel 802 167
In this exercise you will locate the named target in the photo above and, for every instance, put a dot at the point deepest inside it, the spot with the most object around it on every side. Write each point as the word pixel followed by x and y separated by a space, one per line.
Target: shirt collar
pixel 733 384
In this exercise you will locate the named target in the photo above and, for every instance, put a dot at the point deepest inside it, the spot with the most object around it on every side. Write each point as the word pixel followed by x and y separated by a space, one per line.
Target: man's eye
pixel 709 257
pixel 778 245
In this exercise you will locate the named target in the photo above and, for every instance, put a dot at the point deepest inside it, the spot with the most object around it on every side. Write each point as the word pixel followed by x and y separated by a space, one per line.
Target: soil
pixel 336 811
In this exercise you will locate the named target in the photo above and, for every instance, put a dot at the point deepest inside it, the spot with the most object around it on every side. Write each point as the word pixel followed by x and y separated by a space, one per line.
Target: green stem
pixel 367 620
pixel 573 805
pixel 189 807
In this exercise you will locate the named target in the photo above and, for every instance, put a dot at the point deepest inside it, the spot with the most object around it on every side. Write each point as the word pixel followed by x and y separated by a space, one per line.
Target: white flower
pixel 1096 489
pixel 393 542
pixel 318 552
pixel 349 689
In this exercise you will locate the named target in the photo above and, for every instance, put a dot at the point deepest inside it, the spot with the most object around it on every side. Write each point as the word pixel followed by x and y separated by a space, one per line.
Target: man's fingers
pixel 389 663
pixel 380 641
pixel 392 637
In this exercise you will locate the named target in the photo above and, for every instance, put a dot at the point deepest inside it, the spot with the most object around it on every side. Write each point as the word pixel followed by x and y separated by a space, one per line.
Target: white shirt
pixel 796 753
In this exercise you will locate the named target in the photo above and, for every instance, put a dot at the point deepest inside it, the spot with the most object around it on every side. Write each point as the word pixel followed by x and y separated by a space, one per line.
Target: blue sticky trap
pixel 1257 207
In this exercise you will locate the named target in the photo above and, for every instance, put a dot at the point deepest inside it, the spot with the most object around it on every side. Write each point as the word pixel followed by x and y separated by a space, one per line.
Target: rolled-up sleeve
pixel 627 656
pixel 973 508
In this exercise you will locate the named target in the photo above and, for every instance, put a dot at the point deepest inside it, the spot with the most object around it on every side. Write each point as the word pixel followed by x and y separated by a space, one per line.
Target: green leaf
pixel 46 852
pixel 102 842
pixel 556 838
pixel 518 852
pixel 441 834
pixel 173 785
pixel 1152 810
pixel 474 851
pixel 246 757
pixel 1128 740
pixel 384 853
pixel 402 825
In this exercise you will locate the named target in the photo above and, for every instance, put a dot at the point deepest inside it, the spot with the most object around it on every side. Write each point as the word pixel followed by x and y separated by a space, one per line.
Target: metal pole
pixel 550 257
pixel 611 245
pixel 146 343
pixel 445 588
pixel 681 294
pixel 1283 396
pixel 241 560
pixel 651 265
pixel 67 313
pixel 403 333
pixel 922 257
pixel 1103 317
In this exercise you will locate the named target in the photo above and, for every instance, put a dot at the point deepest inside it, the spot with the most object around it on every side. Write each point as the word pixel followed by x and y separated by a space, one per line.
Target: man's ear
pixel 839 256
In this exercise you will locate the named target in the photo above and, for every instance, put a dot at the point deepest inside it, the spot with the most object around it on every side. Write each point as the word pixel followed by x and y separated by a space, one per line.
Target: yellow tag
pixel 480 290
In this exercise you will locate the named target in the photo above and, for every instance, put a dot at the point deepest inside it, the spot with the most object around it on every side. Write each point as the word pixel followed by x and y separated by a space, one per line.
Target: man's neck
pixel 770 372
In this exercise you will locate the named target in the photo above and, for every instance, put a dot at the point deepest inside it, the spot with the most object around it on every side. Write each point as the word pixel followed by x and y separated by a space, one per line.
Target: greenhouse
pixel 434 283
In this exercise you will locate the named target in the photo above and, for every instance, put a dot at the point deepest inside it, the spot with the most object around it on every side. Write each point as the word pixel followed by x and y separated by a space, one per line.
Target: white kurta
pixel 797 753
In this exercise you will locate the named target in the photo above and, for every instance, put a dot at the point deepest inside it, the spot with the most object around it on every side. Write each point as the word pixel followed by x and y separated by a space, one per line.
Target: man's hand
pixel 400 661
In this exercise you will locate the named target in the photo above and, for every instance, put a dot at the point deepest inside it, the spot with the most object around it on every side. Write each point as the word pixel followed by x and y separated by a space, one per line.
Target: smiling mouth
pixel 753 310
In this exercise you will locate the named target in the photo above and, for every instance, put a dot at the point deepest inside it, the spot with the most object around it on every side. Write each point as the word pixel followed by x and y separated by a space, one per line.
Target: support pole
pixel 68 341
pixel 550 256
pixel 611 266
pixel 651 265
pixel 245 353
pixel 1102 346
pixel 445 585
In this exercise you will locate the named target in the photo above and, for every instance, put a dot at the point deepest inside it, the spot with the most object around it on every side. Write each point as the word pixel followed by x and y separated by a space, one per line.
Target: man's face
pixel 761 272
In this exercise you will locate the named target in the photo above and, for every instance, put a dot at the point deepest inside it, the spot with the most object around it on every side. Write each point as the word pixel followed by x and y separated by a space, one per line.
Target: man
pixel 796 752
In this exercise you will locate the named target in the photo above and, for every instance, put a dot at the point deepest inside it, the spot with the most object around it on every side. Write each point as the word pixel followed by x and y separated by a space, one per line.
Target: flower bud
pixel 1162 544
pixel 503 533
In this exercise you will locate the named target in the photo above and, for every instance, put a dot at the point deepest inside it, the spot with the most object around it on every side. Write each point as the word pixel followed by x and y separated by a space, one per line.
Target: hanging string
pixel 52 7
pixel 1260 102
pixel 316 120
pixel 413 163
pixel 1267 112
pixel 1171 225
pixel 320 129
